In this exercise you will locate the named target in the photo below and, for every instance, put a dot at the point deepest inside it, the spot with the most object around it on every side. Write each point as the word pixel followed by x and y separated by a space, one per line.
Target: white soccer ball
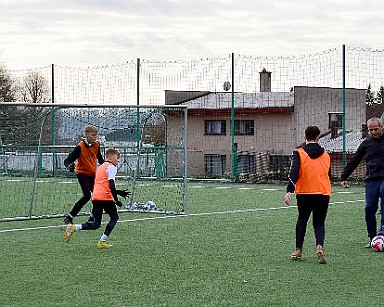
pixel 377 243
pixel 226 86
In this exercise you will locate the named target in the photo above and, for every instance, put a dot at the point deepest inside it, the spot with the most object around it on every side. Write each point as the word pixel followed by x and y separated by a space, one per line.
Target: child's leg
pixel 97 212
pixel 111 210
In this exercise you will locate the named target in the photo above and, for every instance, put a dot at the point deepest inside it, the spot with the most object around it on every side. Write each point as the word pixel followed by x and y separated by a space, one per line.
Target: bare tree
pixel 22 125
pixel 35 88
pixel 7 113
pixel 7 85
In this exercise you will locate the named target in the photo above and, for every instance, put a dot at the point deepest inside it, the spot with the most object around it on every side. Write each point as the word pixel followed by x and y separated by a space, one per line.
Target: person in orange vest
pixel 104 198
pixel 86 155
pixel 309 178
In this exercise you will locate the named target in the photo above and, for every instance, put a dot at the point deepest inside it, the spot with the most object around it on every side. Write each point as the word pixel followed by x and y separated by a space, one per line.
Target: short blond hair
pixel 91 129
pixel 112 151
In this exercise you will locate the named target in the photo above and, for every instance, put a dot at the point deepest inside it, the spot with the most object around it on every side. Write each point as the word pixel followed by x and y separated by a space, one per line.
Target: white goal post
pixel 36 138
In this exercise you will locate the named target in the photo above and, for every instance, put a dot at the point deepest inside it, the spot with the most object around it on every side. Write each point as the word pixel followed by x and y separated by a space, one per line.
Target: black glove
pixel 71 167
pixel 124 193
pixel 118 203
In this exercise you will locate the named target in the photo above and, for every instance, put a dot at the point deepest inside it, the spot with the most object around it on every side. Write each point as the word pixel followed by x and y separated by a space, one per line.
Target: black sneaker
pixel 68 220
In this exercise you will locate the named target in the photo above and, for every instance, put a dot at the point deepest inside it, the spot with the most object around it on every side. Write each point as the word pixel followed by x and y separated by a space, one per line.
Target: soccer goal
pixel 36 138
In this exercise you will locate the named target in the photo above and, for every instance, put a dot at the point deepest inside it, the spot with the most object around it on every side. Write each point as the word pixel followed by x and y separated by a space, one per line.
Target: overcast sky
pixel 102 32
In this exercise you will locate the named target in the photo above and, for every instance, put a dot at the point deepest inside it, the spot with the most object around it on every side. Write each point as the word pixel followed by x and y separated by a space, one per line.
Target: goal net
pixel 36 138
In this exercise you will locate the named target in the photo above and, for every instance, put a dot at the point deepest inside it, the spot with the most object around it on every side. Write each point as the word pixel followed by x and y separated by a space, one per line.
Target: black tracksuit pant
pixel 318 206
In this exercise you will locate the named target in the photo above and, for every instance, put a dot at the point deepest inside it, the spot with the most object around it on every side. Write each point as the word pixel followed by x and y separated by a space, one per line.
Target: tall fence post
pixel 344 158
pixel 138 128
pixel 53 123
pixel 233 147
pixel 185 153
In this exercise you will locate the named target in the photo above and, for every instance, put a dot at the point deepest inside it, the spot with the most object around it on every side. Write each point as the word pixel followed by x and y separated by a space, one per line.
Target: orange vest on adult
pixel 86 163
pixel 313 174
pixel 101 190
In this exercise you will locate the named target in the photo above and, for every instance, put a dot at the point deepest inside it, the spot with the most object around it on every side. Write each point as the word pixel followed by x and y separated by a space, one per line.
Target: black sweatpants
pixel 86 184
pixel 97 210
pixel 318 206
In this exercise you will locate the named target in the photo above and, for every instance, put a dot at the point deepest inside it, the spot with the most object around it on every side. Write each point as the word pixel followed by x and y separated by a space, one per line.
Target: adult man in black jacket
pixel 372 148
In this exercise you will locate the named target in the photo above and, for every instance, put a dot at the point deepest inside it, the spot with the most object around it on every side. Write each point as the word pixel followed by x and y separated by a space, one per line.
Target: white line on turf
pixel 179 215
pixel 31 228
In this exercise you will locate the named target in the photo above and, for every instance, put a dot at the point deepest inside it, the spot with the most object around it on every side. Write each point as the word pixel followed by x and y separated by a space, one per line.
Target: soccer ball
pixel 377 243
pixel 226 86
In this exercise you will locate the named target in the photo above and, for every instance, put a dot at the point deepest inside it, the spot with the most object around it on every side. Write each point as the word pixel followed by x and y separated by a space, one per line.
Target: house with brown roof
pixel 267 126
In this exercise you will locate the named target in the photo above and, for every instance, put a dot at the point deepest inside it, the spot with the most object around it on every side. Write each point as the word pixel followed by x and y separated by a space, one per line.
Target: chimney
pixel 335 122
pixel 334 130
pixel 265 80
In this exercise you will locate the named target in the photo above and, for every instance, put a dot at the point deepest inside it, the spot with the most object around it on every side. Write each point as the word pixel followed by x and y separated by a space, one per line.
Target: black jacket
pixel 314 151
pixel 373 151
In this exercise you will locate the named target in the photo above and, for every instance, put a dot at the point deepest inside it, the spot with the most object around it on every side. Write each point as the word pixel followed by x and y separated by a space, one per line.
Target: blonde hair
pixel 91 129
pixel 112 151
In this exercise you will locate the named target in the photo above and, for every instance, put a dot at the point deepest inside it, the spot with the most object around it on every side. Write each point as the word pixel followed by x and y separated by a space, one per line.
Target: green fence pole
pixel 53 123
pixel 185 154
pixel 344 159
pixel 233 156
pixel 138 129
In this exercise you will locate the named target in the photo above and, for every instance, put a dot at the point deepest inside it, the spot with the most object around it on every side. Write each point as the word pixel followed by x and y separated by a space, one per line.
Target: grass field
pixel 220 255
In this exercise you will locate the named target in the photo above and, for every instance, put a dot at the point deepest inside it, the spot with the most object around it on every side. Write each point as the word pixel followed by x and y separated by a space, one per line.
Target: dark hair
pixel 311 133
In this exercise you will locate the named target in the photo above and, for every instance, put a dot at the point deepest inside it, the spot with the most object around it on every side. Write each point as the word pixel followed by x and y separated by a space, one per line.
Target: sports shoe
pixel 68 233
pixel 296 255
pixel 320 254
pixel 103 244
pixel 368 245
pixel 68 220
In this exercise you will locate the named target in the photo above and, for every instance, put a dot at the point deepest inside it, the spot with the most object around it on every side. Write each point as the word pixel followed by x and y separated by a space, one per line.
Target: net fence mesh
pixel 272 99
pixel 36 140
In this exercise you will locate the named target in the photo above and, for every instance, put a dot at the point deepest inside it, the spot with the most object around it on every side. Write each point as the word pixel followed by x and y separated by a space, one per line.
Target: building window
pixel 244 127
pixel 214 127
pixel 335 120
pixel 246 164
pixel 215 165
